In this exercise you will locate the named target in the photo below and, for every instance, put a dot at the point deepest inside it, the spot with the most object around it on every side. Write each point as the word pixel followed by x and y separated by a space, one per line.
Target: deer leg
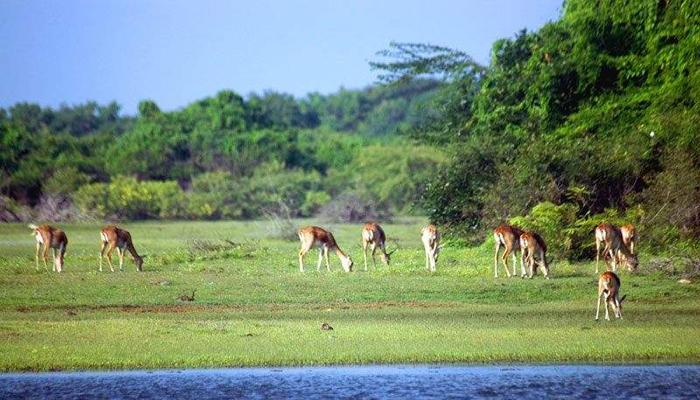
pixel 121 252
pixel 531 263
pixel 302 253
pixel 364 253
pixel 543 265
pixel 597 254
pixel 495 259
pixel 374 257
pixel 109 256
pixel 607 315
pixel 45 255
pixel 619 310
pixel 36 258
pixel 320 259
pixel 427 256
pixel 515 264
pixel 328 263
pixel 103 246
pixel 55 262
pixel 522 266
pixel 505 260
pixel 632 247
pixel 597 311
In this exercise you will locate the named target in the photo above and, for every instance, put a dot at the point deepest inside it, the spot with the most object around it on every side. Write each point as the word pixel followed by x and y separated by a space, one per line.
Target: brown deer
pixel 531 245
pixel 609 292
pixel 615 248
pixel 311 236
pixel 373 237
pixel 49 237
pixel 430 236
pixel 112 237
pixel 629 236
pixel 508 237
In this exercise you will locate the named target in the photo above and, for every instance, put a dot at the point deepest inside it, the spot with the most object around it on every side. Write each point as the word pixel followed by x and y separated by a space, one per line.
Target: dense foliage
pixel 597 112
pixel 219 157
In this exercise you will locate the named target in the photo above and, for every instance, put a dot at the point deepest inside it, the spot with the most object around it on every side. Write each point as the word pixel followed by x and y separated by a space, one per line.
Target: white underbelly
pixel 39 238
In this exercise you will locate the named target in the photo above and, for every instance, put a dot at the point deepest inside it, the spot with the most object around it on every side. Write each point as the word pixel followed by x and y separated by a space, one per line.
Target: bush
pixel 551 222
pixel 272 185
pixel 58 208
pixel 354 207
pixel 127 198
pixel 215 195
pixel 11 211
pixel 567 235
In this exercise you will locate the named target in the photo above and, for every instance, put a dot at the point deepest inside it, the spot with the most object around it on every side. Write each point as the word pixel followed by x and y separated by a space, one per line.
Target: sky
pixel 174 52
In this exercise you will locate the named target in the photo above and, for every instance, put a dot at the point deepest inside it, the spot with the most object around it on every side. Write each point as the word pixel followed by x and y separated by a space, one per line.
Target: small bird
pixel 185 297
pixel 326 327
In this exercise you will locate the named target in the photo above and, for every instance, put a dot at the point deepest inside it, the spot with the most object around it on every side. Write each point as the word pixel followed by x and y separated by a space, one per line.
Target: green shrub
pixel 567 235
pixel 127 198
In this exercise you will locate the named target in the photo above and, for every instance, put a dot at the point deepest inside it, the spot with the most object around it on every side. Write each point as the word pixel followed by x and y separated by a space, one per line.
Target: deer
pixel 531 245
pixel 52 238
pixel 430 236
pixel 609 292
pixel 615 248
pixel 311 236
pixel 373 237
pixel 112 237
pixel 508 237
pixel 629 236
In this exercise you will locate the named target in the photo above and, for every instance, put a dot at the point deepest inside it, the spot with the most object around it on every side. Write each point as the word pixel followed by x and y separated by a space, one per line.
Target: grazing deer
pixel 508 237
pixel 615 248
pixel 609 291
pixel 373 237
pixel 50 238
pixel 430 237
pixel 629 236
pixel 531 245
pixel 311 236
pixel 118 238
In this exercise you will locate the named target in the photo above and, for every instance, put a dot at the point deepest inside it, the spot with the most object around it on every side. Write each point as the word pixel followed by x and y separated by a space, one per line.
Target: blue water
pixel 373 382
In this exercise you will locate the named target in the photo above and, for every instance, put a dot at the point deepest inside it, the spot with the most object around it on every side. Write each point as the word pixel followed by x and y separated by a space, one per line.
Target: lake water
pixel 379 382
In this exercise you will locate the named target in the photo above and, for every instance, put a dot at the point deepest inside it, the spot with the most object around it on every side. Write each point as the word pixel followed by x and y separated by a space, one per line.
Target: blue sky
pixel 174 52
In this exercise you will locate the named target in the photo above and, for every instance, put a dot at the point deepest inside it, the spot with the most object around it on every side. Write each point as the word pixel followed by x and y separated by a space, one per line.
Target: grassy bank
pixel 253 306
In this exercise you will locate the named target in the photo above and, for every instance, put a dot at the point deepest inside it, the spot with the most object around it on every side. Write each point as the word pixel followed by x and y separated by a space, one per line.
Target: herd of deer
pixel 619 243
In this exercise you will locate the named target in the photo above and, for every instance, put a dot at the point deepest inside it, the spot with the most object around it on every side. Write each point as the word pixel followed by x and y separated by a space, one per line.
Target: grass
pixel 253 307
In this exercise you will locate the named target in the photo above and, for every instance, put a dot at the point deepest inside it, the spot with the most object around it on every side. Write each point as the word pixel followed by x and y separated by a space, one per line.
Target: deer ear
pixel 391 252
pixel 623 299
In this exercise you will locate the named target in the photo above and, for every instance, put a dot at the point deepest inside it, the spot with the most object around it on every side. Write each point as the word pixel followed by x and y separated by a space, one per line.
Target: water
pixel 379 382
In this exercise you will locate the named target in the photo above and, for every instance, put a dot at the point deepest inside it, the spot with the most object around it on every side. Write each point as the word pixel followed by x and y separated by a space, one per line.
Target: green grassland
pixel 254 307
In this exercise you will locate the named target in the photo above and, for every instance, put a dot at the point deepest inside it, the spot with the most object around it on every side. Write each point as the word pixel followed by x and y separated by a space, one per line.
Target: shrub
pixel 354 206
pixel 11 211
pixel 567 235
pixel 127 198
pixel 551 222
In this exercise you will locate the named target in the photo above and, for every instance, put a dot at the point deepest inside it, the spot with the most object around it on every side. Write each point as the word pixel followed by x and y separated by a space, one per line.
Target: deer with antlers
pixel 531 245
pixel 373 237
pixel 609 292
pixel 52 238
pixel 615 248
pixel 508 237
pixel 112 237
pixel 313 236
pixel 430 236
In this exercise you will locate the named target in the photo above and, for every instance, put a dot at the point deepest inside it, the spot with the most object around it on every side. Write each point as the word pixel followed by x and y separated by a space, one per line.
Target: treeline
pixel 595 116
pixel 220 157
